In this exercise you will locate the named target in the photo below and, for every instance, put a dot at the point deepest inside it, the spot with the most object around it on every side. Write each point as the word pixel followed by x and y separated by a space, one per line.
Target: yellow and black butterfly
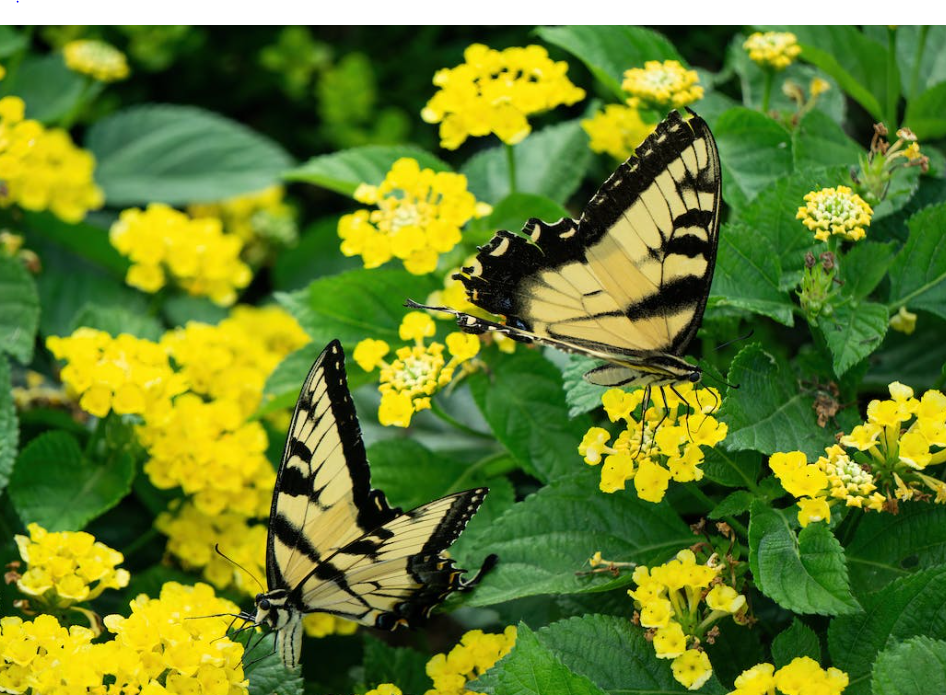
pixel 628 282
pixel 334 544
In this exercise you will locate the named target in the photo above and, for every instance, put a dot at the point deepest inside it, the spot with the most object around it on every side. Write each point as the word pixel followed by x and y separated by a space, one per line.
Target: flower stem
pixel 767 90
pixel 917 60
pixel 486 465
pixel 892 92
pixel 452 421
pixel 511 164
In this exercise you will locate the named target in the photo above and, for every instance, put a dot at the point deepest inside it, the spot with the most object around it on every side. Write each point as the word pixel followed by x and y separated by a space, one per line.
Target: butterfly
pixel 628 282
pixel 334 544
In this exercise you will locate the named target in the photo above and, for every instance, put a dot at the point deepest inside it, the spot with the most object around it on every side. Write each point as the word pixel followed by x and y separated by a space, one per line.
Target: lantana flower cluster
pixel 878 463
pixel 772 50
pixel 64 568
pixel 665 443
pixel 835 211
pixel 801 676
pixel 125 374
pixel 661 86
pixel 42 169
pixel 476 653
pixel 617 130
pixel 420 370
pixel 678 602
pixel 161 242
pixel 495 92
pixel 419 217
pixel 100 60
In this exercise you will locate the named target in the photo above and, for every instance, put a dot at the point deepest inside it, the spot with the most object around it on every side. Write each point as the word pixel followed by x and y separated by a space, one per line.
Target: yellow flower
pixel 661 86
pixel 617 130
pixel 323 625
pixel 692 669
pixel 419 217
pixel 384 689
pixel 617 470
pixel 669 641
pixel 98 59
pixel 837 211
pixel 813 509
pixel 66 567
pixel 903 321
pixel 818 86
pixel 42 169
pixel 593 444
pixel 3 72
pixel 804 674
pixel 369 353
pixel 726 599
pixel 758 680
pixel 196 253
pixel 416 326
pixel 773 50
pixel 495 91
pixel 476 654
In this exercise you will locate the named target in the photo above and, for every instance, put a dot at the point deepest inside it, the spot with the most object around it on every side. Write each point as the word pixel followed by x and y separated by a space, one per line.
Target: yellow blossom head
pixel 98 59
pixel 369 353
pixel 773 50
pixel 617 130
pixel 666 85
pixel 903 321
pixel 835 211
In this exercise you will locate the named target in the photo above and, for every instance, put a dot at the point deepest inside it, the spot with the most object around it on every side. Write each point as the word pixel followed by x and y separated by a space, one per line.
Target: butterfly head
pixel 272 609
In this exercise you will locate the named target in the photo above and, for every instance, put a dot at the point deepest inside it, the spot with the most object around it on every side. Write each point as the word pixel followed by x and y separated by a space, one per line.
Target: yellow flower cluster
pixel 385 689
pixel 668 599
pixel 495 92
pixel 877 463
pixel 837 211
pixel 212 453
pixel 803 675
pixel 195 252
pixel 66 568
pixel 42 169
pixel 666 443
pixel 262 220
pixel 419 216
pixel 192 536
pixel 774 50
pixel 477 653
pixel 170 640
pixel 323 625
pixel 232 360
pixel 666 85
pixel 127 375
pixel 100 60
pixel 617 130
pixel 419 371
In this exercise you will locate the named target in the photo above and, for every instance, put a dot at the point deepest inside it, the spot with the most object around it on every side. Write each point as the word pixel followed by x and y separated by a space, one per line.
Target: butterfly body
pixel 334 543
pixel 627 283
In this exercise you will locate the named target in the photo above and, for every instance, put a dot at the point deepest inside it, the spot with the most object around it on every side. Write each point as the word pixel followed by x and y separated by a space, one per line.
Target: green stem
pixel 450 420
pixel 737 526
pixel 511 163
pixel 489 471
pixel 767 90
pixel 917 60
pixel 891 110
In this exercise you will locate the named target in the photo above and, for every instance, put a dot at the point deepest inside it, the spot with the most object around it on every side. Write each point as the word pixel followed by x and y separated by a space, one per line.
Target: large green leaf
pixel 387 664
pixel 116 320
pixel 754 151
pixel 315 255
pixel 608 51
pixel 83 239
pixel 270 677
pixel 582 396
pixel 864 267
pixel 522 399
pixel 748 275
pixel 49 88
pixel 818 141
pixel 925 114
pixel 9 429
pixel 916 77
pixel 804 574
pixel 768 412
pixel 56 486
pixel 544 540
pixel 19 310
pixel 914 667
pixel 905 608
pixel 550 163
pixel 732 468
pixel 11 41
pixel 918 273
pixel 853 331
pixel 798 640
pixel 355 305
pixel 344 171
pixel 159 153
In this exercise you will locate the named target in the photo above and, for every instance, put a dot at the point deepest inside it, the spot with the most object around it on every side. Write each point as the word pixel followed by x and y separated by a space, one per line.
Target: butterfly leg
pixel 645 404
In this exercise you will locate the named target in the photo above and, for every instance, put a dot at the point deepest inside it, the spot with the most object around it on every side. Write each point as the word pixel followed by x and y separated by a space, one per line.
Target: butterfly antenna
pixel 720 381
pixel 237 564
pixel 736 340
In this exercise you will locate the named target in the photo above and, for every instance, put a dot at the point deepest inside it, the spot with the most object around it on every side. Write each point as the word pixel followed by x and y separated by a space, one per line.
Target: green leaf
pixel 515 209
pixel 160 153
pixel 315 255
pixel 521 398
pixel 11 41
pixel 819 141
pixel 545 539
pixel 798 640
pixel 9 428
pixel 853 331
pixel 550 163
pixel 732 468
pixel 914 667
pixel 864 266
pixel 768 412
pixel 925 114
pixel 54 485
pixel 407 668
pixel 19 310
pixel 116 320
pixel 49 88
pixel 732 504
pixel 180 309
pixel 356 305
pixel 270 677
pixel 582 396
pixel 532 669
pixel 85 240
pixel 931 70
pixel 885 547
pixel 918 273
pixel 804 574
pixel 905 608
pixel 607 51
pixel 754 151
pixel 344 171
pixel 857 63
pixel 748 275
